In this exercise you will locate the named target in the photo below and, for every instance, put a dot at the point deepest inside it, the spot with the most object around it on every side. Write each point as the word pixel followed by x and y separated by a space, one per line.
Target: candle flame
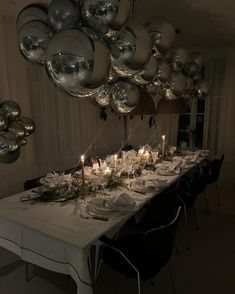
pixel 82 158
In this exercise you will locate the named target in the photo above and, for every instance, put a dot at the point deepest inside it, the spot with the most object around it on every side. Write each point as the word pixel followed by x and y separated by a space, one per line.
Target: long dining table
pixel 57 237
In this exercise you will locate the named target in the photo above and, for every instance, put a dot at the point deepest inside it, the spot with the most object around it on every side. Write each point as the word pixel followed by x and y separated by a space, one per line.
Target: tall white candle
pixel 163 145
pixel 82 167
pixel 115 161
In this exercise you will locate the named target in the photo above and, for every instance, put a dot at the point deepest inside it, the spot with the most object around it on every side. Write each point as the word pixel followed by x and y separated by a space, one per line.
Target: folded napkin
pixel 122 202
pixel 175 166
pixel 54 180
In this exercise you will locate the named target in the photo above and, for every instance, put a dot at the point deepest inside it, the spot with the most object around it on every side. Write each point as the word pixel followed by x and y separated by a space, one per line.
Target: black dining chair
pixel 32 183
pixel 142 255
pixel 212 177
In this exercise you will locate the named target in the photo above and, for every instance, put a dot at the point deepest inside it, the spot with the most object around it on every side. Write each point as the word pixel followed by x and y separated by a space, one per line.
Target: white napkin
pixel 53 180
pixel 121 202
pixel 175 166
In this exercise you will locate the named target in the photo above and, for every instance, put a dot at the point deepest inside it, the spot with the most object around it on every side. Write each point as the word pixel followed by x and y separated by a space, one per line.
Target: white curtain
pixel 14 86
pixel 220 124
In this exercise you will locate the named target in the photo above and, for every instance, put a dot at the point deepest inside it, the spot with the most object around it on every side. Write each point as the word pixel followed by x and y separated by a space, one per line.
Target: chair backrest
pixel 33 183
pixel 159 242
pixel 214 169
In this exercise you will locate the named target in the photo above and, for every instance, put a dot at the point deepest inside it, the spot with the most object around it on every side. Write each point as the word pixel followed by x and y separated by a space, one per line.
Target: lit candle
pixel 107 171
pixel 82 166
pixel 163 145
pixel 115 161
pixel 141 151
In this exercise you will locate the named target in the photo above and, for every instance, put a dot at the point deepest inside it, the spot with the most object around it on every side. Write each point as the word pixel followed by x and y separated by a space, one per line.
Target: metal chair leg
pixel 217 192
pixel 207 202
pixel 171 278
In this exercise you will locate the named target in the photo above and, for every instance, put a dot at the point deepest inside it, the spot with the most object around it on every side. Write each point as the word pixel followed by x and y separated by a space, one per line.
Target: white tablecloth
pixel 54 236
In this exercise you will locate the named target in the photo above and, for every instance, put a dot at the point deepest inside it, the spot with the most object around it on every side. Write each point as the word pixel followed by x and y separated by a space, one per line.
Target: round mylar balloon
pixel 163 36
pixel 11 109
pixel 9 141
pixel 9 156
pixel 23 142
pixel 151 89
pixel 130 49
pixel 202 88
pixel 63 14
pixel 179 57
pixel 28 124
pixel 29 13
pixel 169 95
pixel 33 40
pixel 124 96
pixel 77 61
pixel 177 83
pixel 102 97
pixel 17 128
pixel 148 73
pixel 163 71
pixel 197 57
pixel 3 120
pixel 106 16
pixel 191 69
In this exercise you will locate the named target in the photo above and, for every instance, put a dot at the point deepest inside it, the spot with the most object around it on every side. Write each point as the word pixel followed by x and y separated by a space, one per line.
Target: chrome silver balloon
pixel 191 69
pixel 31 12
pixel 130 49
pixel 102 97
pixel 163 71
pixel 3 120
pixel 28 124
pixel 148 73
pixel 9 156
pixel 198 58
pixel 151 89
pixel 17 128
pixel 179 57
pixel 124 96
pixel 9 142
pixel 11 109
pixel 82 92
pixel 106 16
pixel 163 36
pixel 177 83
pixel 23 142
pixel 169 95
pixel 33 40
pixel 63 14
pixel 202 88
pixel 77 61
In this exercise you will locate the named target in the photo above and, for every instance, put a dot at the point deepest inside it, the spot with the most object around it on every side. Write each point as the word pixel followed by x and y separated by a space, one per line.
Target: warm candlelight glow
pixel 82 158
pixel 115 161
pixel 107 171
pixel 163 137
pixel 141 151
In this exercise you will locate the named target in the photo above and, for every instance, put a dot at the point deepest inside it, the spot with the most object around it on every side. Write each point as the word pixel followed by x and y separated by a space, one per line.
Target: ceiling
pixel 202 23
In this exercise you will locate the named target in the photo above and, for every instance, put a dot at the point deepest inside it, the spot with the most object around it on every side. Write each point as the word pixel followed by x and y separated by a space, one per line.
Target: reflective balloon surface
pixel 177 83
pixel 169 95
pixel 11 109
pixel 106 16
pixel 29 13
pixel 124 96
pixel 9 156
pixel 102 97
pixel 3 120
pixel 33 40
pixel 197 57
pixel 202 88
pixel 28 124
pixel 191 69
pixel 148 73
pixel 77 61
pixel 163 36
pixel 23 142
pixel 179 58
pixel 17 128
pixel 62 14
pixel 9 141
pixel 163 71
pixel 130 49
pixel 151 89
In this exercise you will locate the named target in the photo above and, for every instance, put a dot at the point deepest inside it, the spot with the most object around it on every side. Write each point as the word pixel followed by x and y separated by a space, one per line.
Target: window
pixel 191 124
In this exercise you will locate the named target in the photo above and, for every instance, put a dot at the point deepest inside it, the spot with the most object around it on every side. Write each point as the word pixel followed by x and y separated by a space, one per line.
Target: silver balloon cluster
pixel 92 49
pixel 13 131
